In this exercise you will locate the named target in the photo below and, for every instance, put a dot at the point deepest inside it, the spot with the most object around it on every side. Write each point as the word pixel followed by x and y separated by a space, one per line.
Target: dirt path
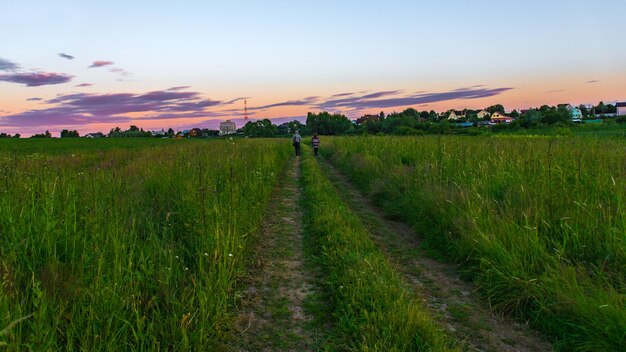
pixel 272 316
pixel 451 300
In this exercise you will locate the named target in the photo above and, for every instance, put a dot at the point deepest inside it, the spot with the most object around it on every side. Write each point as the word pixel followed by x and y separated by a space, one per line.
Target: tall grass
pixel 132 248
pixel 540 222
pixel 372 309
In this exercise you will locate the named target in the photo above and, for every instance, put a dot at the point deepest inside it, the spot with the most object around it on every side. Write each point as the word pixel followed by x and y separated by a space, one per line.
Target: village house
pixel 498 117
pixel 574 113
pixel 482 114
pixel 367 118
pixel 456 115
pixel 621 108
pixel 227 127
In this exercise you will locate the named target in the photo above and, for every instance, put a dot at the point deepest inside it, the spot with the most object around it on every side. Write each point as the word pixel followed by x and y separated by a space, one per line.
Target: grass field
pixel 130 244
pixel 539 222
pixel 127 244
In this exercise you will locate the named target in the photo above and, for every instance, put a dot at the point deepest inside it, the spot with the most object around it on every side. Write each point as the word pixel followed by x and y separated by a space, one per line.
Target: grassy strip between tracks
pixel 372 309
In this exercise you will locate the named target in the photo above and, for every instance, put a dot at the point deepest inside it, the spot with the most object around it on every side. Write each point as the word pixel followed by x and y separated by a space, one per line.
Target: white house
pixel 455 115
pixel 621 108
pixel 576 114
pixel 482 114
pixel 227 127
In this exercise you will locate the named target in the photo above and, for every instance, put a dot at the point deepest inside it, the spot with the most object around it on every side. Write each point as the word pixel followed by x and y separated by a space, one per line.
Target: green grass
pixel 127 245
pixel 371 308
pixel 539 222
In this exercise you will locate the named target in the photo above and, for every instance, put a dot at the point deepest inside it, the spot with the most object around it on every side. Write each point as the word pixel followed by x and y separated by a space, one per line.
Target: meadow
pixel 127 244
pixel 538 223
pixel 147 244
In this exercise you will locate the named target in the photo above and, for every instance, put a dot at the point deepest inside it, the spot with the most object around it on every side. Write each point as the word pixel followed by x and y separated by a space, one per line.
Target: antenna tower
pixel 245 109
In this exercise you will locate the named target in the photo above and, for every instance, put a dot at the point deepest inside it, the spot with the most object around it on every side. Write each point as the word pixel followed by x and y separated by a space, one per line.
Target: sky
pixel 93 65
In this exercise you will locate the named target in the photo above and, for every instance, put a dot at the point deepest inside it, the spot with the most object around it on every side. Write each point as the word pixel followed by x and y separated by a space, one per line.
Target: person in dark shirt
pixel 315 141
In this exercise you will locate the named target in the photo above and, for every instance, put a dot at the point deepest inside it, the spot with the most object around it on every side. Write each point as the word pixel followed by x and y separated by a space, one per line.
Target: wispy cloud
pixel 66 56
pixel 592 81
pixel 178 88
pixel 6 65
pixel 84 85
pixel 119 71
pixel 34 99
pixel 100 63
pixel 554 91
pixel 34 79
pixel 301 102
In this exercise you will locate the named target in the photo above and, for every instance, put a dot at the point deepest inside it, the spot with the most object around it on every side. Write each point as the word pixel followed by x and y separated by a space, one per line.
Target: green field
pixel 120 244
pixel 539 223
pixel 133 244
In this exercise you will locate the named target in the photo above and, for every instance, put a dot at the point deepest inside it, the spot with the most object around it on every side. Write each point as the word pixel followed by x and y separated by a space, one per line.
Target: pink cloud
pixel 100 63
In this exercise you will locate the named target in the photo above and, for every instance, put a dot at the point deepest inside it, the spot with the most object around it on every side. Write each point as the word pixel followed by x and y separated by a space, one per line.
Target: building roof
pixel 620 104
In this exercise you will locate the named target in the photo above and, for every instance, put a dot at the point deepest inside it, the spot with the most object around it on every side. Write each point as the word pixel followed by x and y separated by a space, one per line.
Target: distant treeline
pixel 408 122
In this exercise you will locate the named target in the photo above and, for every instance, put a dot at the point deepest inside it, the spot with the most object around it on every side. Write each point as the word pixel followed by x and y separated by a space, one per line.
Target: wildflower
pixel 230 254
pixel 206 254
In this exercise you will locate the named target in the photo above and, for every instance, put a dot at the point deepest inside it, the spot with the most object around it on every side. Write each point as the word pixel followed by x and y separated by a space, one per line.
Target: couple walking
pixel 297 139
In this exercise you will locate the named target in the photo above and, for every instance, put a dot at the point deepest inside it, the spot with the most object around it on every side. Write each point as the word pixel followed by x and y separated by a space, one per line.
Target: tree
pixel 514 114
pixel 531 117
pixel 552 116
pixel 584 110
pixel 69 134
pixel 326 124
pixel 42 135
pixel 260 128
pixel 496 108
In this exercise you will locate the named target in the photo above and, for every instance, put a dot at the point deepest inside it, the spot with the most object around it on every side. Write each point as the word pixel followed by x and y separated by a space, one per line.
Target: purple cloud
pixel 592 81
pixel 366 101
pixel 59 116
pixel 100 63
pixel 34 79
pixel 381 94
pixel 34 99
pixel 66 56
pixel 85 108
pixel 6 65
pixel 84 85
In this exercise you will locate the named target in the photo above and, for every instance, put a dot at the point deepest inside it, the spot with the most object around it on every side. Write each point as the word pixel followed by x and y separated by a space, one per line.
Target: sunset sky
pixel 93 65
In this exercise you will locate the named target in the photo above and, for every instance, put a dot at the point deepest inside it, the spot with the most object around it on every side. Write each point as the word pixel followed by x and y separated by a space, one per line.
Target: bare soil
pixel 454 302
pixel 271 316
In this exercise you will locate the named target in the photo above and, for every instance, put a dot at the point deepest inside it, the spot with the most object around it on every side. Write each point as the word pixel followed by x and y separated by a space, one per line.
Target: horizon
pixel 192 65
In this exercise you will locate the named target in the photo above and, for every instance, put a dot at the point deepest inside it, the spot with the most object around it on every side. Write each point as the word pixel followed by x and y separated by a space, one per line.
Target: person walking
pixel 297 139
pixel 315 142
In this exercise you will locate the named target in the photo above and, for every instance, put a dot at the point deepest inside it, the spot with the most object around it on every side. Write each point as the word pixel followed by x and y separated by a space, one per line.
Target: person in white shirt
pixel 297 139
